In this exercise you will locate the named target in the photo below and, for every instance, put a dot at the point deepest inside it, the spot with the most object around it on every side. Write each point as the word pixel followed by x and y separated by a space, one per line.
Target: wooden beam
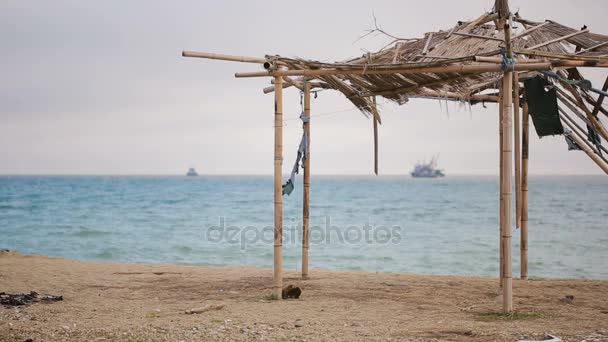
pixel 306 196
pixel 557 40
pixel 461 69
pixel 278 188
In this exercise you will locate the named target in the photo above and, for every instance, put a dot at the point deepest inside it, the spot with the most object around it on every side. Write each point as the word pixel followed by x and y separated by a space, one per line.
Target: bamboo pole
pixel 500 144
pixel 600 99
pixel 461 69
pixel 517 141
pixel 375 118
pixel 506 180
pixel 580 142
pixel 451 96
pixel 278 189
pixel 470 35
pixel 530 30
pixel 222 57
pixel 557 40
pixel 554 62
pixel 525 141
pixel 306 199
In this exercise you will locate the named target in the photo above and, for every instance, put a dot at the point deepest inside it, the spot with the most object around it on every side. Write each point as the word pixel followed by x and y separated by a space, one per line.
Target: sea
pixel 395 224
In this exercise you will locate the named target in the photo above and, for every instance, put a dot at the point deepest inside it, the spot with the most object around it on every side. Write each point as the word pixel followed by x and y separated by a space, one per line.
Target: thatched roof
pixel 462 44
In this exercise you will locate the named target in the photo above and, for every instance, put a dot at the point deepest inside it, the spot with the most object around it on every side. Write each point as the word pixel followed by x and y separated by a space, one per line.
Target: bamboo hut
pixel 499 57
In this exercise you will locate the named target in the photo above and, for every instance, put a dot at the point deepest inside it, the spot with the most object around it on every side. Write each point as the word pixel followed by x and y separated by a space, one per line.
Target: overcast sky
pixel 100 87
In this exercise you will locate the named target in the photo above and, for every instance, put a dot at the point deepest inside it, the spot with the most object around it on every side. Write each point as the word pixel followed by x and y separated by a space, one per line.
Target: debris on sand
pixel 21 299
pixel 548 338
pixel 291 291
pixel 210 307
pixel 569 299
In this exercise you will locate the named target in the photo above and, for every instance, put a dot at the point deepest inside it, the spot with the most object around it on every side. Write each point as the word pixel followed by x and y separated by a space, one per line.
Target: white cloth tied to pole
pixel 302 154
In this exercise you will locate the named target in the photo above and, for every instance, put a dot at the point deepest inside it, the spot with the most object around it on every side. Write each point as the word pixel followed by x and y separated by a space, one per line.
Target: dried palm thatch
pixel 461 45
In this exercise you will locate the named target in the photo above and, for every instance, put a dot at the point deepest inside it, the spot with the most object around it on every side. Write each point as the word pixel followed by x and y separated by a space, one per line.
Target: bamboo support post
pixel 306 199
pixel 517 142
pixel 278 188
pixel 525 141
pixel 501 201
pixel 506 180
pixel 375 118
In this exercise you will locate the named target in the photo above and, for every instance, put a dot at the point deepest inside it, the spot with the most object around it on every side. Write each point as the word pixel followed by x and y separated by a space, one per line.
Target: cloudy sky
pixel 101 88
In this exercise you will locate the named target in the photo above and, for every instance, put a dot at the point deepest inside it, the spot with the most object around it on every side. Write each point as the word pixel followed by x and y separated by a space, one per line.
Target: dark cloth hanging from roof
pixel 594 138
pixel 572 145
pixel 543 107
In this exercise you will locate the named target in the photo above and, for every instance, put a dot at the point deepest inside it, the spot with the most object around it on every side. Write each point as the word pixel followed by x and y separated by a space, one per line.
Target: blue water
pixel 378 224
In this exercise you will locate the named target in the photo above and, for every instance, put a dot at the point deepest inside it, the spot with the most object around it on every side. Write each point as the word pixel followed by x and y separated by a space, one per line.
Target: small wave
pixel 90 233
pixel 105 255
pixel 183 249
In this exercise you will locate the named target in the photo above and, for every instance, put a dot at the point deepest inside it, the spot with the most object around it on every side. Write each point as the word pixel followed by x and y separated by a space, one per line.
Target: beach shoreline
pixel 132 302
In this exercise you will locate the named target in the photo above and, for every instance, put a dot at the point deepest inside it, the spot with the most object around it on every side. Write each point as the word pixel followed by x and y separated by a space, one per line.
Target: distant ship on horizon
pixel 427 170
pixel 191 172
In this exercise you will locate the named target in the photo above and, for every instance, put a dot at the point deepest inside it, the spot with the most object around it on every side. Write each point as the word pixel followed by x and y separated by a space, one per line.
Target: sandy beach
pixel 113 301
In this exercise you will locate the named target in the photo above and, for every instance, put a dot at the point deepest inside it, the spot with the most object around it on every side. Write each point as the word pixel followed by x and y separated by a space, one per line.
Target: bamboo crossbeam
pixel 498 60
pixel 560 39
pixel 222 57
pixel 555 55
pixel 306 185
pixel 592 48
pixel 461 69
pixel 446 95
pixel 525 155
pixel 470 35
pixel 554 62
pixel 278 188
pixel 296 83
pixel 530 30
